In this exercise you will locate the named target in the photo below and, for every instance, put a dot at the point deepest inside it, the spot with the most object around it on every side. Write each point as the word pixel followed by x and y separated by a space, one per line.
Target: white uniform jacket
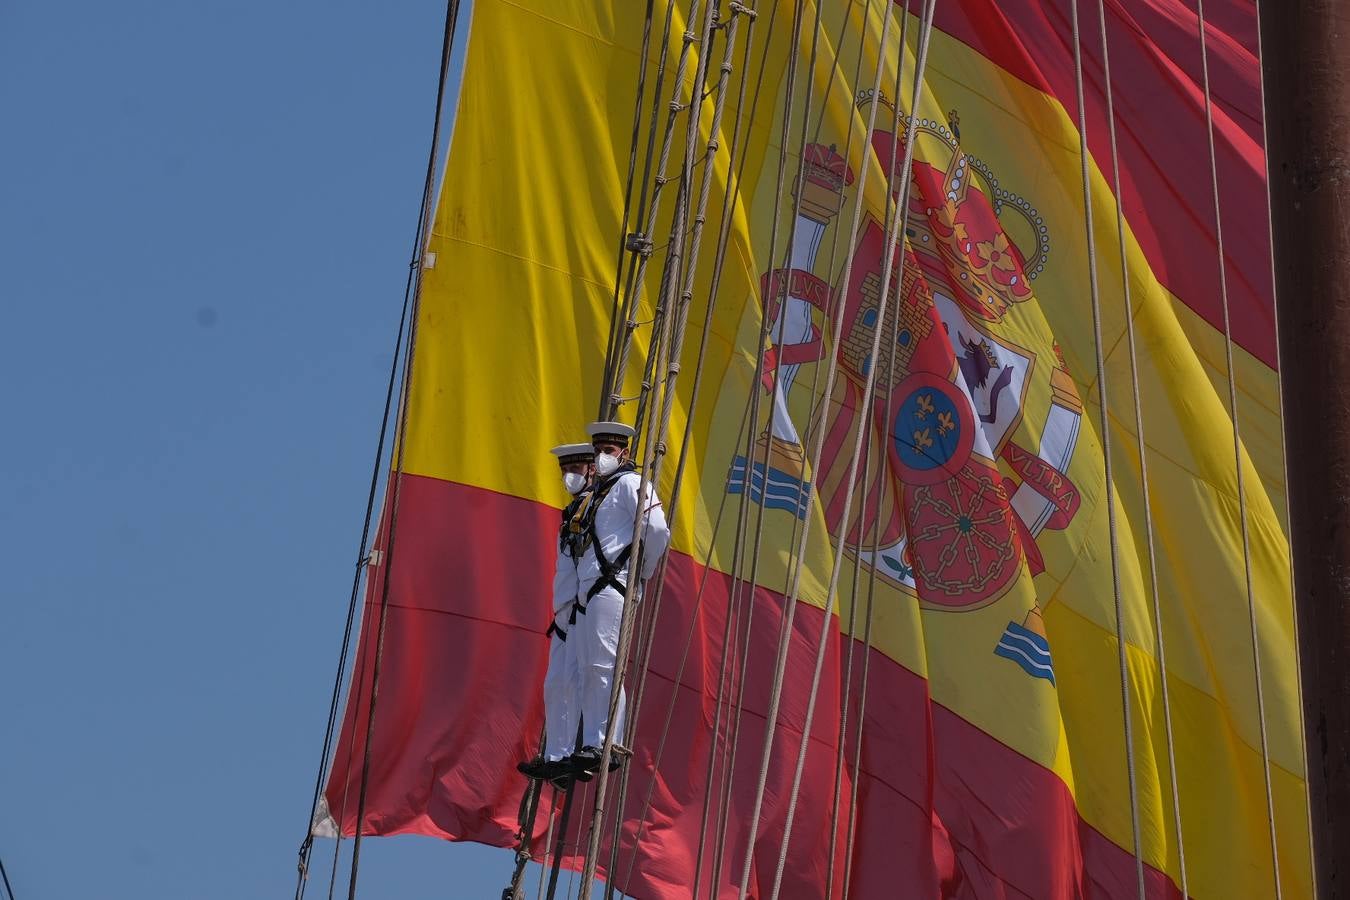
pixel 614 520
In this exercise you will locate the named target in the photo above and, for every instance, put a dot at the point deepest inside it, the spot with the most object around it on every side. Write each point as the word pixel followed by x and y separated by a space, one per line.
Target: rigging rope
pixel 816 399
pixel 4 876
pixel 1106 449
pixel 644 657
pixel 892 242
pixel 670 347
pixel 617 370
pixel 1237 451
pixel 771 718
pixel 639 245
pixel 624 256
pixel 717 271
pixel 428 193
pixel 1143 454
pixel 842 738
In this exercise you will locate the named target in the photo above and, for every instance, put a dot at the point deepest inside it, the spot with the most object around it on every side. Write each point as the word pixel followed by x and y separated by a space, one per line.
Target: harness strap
pixel 609 568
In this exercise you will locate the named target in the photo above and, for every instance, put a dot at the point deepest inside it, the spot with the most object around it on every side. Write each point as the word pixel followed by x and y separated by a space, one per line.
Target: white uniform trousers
pixel 596 652
pixel 562 688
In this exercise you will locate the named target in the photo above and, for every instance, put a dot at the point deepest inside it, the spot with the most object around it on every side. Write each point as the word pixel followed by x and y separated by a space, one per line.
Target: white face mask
pixel 606 463
pixel 574 482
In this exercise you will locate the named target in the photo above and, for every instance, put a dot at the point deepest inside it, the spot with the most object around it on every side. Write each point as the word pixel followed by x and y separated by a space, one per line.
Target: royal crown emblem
pixel 961 500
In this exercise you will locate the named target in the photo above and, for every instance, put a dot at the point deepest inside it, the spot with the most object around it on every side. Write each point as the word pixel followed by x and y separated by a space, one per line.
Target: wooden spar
pixel 1307 91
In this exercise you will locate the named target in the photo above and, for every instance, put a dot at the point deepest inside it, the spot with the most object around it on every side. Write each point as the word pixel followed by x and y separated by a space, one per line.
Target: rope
pixel 548 841
pixel 1106 450
pixel 639 245
pixel 1237 452
pixel 739 595
pixel 568 801
pixel 871 595
pixel 771 719
pixel 718 263
pixel 678 680
pixel 818 399
pixel 428 191
pixel 525 818
pixel 670 344
pixel 4 876
pixel 753 399
pixel 623 256
pixel 847 679
pixel 892 242
pixel 876 525
pixel 739 599
pixel 1143 455
pixel 638 276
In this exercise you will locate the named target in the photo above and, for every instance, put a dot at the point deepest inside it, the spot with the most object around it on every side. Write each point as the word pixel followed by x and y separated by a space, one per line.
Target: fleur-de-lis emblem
pixel 922 441
pixel 925 404
pixel 945 423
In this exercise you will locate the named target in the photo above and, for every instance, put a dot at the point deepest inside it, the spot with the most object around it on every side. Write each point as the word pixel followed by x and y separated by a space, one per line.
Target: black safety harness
pixel 578 533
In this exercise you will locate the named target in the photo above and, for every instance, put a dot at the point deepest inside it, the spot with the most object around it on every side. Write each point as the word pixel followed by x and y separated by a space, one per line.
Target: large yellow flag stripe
pixel 512 333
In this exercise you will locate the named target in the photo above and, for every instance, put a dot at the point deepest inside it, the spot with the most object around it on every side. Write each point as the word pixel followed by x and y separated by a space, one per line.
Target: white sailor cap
pixel 573 453
pixel 612 432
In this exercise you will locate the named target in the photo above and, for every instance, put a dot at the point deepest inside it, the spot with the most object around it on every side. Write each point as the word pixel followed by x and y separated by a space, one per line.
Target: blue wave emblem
pixel 1028 649
pixel 783 491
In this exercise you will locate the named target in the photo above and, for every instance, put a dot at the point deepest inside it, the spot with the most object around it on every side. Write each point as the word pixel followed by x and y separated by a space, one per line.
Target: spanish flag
pixel 1005 751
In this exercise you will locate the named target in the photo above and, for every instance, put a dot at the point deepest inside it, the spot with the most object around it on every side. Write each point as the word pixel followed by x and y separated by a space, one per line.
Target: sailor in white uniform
pixel 603 573
pixel 562 680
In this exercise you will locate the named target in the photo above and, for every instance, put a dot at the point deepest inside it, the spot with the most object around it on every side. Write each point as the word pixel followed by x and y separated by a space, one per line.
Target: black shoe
pixel 542 769
pixel 586 761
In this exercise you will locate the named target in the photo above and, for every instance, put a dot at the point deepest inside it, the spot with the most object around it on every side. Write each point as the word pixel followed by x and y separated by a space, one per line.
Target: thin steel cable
pixel 414 268
pixel 1106 449
pixel 870 382
pixel 1284 444
pixel 451 17
pixel 307 845
pixel 623 255
pixel 1143 455
pixel 639 275
pixel 771 718
pixel 1237 453
pixel 608 386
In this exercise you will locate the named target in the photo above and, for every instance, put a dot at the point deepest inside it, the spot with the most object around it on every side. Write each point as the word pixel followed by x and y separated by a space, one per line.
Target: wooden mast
pixel 1307 91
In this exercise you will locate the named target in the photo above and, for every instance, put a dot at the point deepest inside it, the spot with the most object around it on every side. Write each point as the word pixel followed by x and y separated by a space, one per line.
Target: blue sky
pixel 204 229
